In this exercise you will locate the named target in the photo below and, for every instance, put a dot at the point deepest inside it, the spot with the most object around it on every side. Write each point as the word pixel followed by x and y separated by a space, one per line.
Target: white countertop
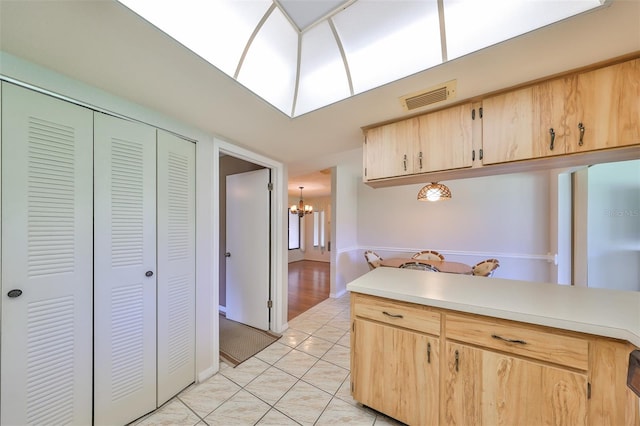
pixel 610 313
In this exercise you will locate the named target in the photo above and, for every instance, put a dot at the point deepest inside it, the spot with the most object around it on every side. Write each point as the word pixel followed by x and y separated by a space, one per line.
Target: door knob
pixel 148 274
pixel 14 293
pixel 227 254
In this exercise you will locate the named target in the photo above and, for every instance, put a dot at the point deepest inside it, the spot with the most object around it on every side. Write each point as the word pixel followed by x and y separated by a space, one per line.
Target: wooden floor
pixel 308 285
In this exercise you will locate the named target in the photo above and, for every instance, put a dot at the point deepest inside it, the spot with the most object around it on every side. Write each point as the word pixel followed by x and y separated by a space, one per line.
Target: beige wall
pixel 504 217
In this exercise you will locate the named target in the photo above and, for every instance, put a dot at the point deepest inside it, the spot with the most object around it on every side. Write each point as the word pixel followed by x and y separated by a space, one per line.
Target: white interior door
pixel 248 245
pixel 125 270
pixel 176 265
pixel 47 255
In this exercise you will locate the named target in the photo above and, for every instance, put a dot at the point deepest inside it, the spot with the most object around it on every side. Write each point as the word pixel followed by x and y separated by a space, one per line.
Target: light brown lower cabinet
pixel 430 366
pixel 395 371
pixel 486 387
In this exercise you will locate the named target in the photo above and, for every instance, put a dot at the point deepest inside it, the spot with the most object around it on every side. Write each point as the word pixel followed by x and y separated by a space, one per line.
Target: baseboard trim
pixel 204 375
pixel 338 294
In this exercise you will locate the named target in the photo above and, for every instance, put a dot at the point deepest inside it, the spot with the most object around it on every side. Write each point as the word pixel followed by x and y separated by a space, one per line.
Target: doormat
pixel 239 342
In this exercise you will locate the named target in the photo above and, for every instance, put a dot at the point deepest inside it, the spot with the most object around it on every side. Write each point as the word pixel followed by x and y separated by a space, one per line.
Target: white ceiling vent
pixel 433 95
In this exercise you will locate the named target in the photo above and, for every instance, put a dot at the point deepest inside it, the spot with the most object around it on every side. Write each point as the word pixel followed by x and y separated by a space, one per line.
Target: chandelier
pixel 434 192
pixel 301 209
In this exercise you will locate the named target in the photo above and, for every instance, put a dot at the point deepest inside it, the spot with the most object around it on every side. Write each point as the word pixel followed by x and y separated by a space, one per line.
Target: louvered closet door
pixel 176 265
pixel 47 255
pixel 125 266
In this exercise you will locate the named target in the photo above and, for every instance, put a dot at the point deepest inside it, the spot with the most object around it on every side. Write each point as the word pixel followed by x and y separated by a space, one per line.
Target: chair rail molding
pixel 549 257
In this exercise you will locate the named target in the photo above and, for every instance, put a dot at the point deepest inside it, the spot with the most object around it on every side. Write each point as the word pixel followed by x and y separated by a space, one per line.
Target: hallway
pixel 309 283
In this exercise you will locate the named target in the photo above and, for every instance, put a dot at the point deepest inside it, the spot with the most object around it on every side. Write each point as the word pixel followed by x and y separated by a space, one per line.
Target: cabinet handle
pixel 457 359
pixel 404 162
pixel 420 158
pixel 392 315
pixel 553 138
pixel 504 339
pixel 582 129
pixel 428 353
pixel 473 155
pixel 481 154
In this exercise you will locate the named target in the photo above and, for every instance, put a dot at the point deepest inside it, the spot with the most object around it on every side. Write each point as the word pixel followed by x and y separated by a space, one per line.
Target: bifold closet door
pixel 47 193
pixel 176 265
pixel 125 270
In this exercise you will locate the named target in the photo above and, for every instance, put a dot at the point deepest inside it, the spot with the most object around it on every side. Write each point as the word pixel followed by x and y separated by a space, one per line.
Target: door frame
pixel 278 293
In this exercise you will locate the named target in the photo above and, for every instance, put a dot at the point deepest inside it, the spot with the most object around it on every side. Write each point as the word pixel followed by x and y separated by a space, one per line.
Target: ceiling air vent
pixel 433 95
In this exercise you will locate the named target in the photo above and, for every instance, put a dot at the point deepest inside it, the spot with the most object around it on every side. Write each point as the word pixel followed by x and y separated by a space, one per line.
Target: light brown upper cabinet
pixel 527 123
pixel 581 112
pixel 445 139
pixel 436 141
pixel 607 108
pixel 390 150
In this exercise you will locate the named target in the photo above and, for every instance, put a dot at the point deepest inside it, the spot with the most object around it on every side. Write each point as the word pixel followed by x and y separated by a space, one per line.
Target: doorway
pixel 222 149
pixel 309 254
pixel 229 166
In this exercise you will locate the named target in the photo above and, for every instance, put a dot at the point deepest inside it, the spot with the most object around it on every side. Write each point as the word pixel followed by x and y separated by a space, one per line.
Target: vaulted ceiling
pixel 303 55
pixel 104 44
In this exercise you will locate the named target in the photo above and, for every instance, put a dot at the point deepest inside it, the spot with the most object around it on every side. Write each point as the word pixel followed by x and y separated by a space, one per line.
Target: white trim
pixel 205 374
pixel 350 249
pixel 549 257
pixel 222 309
pixel 338 294
pixel 277 217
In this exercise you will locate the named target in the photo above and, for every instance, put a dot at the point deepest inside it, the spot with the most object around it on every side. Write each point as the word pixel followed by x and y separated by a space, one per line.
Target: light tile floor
pixel 302 379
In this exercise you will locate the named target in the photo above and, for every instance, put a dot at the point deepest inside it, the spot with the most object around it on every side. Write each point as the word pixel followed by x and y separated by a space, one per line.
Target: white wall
pixel 345 257
pixel 613 230
pixel 504 217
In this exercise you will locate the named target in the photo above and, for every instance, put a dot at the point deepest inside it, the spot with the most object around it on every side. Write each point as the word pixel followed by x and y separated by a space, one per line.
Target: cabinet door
pixel 176 265
pixel 395 371
pixel 484 387
pixel 527 123
pixel 125 270
pixel 47 254
pixel 462 399
pixel 608 107
pixel 389 150
pixel 445 140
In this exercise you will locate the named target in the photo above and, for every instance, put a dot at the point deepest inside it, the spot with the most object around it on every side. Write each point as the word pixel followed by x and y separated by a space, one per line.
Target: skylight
pixel 301 55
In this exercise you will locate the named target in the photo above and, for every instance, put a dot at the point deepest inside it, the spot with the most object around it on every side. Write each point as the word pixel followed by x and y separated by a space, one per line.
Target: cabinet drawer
pixel 540 344
pixel 400 314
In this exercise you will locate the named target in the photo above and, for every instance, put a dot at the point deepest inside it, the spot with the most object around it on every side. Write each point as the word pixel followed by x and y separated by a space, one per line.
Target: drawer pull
pixel 392 315
pixel 504 339
pixel 428 353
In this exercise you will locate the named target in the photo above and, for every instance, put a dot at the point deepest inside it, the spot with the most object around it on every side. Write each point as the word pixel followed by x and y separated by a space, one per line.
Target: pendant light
pixel 434 192
pixel 301 209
